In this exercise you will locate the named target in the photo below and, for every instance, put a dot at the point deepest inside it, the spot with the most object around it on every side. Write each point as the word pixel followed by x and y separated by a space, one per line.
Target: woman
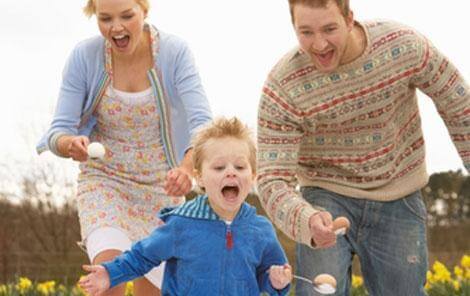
pixel 136 91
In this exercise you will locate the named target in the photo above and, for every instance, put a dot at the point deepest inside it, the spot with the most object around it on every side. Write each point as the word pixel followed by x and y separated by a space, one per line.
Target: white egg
pixel 96 150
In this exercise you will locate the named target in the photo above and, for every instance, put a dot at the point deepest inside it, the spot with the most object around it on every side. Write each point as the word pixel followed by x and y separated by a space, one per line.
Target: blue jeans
pixel 388 237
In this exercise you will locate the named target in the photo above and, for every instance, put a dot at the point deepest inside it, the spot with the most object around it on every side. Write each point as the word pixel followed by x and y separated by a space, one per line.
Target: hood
pixel 199 208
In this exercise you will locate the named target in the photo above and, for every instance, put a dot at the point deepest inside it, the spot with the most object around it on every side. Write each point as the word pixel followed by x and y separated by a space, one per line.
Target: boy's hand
pixel 280 276
pixel 97 281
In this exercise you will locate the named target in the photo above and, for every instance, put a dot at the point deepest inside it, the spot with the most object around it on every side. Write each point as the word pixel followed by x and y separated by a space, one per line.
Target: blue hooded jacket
pixel 205 255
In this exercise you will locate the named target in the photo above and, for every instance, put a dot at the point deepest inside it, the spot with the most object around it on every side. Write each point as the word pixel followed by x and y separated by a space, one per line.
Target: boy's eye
pixel 219 168
pixel 239 167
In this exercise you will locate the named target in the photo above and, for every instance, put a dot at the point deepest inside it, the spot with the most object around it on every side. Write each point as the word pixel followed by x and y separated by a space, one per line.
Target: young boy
pixel 214 244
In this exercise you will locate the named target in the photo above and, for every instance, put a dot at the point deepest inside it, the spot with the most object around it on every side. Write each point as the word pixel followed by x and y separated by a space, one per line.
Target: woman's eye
pixel 126 17
pixel 105 19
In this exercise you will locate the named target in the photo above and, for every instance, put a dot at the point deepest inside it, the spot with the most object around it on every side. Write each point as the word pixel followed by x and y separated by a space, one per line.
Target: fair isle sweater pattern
pixel 355 131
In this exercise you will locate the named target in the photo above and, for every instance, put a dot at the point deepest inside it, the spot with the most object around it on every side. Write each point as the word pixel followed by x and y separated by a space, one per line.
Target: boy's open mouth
pixel 230 192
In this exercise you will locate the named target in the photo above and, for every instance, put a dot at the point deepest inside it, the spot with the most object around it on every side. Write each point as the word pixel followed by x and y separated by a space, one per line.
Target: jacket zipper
pixel 228 238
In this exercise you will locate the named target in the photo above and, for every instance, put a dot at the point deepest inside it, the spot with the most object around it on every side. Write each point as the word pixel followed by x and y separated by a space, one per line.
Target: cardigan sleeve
pixel 279 136
pixel 189 88
pixel 439 79
pixel 72 96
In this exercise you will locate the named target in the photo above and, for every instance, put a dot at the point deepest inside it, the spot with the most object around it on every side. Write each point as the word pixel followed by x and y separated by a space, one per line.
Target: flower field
pixel 440 282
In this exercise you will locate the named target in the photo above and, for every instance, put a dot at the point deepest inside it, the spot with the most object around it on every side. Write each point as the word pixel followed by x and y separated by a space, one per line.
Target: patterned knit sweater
pixel 355 131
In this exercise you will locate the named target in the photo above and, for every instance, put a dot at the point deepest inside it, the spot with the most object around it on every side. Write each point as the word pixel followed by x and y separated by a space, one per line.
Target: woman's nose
pixel 116 26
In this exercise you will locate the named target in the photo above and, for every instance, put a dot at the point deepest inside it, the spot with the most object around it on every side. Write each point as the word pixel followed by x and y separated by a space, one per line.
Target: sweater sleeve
pixel 279 137
pixel 439 79
pixel 143 256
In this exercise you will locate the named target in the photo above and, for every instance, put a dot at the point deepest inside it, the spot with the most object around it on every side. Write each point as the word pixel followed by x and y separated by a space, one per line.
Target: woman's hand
pixel 178 182
pixel 74 147
pixel 97 281
pixel 280 276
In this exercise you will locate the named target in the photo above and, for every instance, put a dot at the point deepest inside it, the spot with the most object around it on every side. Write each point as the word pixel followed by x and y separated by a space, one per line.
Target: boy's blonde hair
pixel 223 128
pixel 90 8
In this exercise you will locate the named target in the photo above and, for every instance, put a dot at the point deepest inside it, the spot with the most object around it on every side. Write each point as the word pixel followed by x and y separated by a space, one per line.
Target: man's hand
pixel 97 281
pixel 178 182
pixel 321 228
pixel 280 276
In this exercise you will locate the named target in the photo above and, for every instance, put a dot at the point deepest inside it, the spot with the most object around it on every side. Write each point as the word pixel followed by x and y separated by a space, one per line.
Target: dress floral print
pixel 125 189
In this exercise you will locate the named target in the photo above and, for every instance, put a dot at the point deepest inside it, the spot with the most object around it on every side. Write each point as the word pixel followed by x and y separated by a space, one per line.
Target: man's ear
pixel 350 20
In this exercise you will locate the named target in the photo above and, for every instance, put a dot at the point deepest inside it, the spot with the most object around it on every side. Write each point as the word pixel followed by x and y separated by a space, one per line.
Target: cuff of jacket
pixel 52 143
pixel 304 225
pixel 114 273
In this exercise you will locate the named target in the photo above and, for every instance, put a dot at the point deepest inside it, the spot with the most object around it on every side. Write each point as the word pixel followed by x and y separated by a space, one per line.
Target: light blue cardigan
pixel 181 101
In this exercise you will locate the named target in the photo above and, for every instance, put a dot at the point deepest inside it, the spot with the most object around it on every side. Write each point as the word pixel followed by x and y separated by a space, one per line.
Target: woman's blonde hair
pixel 223 128
pixel 90 8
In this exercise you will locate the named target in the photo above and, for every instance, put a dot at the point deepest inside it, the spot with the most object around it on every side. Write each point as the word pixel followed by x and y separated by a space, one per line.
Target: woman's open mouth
pixel 121 41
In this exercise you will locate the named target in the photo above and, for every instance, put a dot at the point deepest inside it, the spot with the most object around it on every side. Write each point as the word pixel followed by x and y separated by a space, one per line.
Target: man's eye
pixel 306 33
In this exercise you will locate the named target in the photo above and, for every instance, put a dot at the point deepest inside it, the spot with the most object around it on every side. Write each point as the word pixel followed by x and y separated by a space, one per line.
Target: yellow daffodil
pixel 23 285
pixel 357 281
pixel 465 262
pixel 3 289
pixel 46 288
pixel 129 288
pixel 441 274
pixel 456 285
pixel 458 271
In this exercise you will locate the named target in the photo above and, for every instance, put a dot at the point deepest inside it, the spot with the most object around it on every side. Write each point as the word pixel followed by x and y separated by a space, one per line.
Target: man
pixel 339 117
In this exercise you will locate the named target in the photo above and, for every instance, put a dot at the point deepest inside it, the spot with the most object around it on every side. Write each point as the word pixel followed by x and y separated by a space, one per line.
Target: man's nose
pixel 319 43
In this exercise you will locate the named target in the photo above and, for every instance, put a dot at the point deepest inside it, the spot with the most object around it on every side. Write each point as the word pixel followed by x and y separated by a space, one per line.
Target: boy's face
pixel 226 175
pixel 324 34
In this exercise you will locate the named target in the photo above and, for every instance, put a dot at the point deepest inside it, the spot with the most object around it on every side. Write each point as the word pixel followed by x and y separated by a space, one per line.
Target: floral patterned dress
pixel 125 188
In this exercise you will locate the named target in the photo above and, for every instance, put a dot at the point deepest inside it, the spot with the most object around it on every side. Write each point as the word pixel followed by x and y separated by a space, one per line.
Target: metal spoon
pixel 318 285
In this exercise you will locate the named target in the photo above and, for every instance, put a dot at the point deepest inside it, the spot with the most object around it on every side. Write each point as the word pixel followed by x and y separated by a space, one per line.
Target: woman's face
pixel 121 22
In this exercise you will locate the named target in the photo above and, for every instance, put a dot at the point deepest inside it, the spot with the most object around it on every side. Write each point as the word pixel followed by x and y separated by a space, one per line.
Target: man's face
pixel 226 174
pixel 324 34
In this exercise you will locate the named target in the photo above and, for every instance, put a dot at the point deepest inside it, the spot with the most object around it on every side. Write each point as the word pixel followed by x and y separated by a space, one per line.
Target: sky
pixel 235 44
